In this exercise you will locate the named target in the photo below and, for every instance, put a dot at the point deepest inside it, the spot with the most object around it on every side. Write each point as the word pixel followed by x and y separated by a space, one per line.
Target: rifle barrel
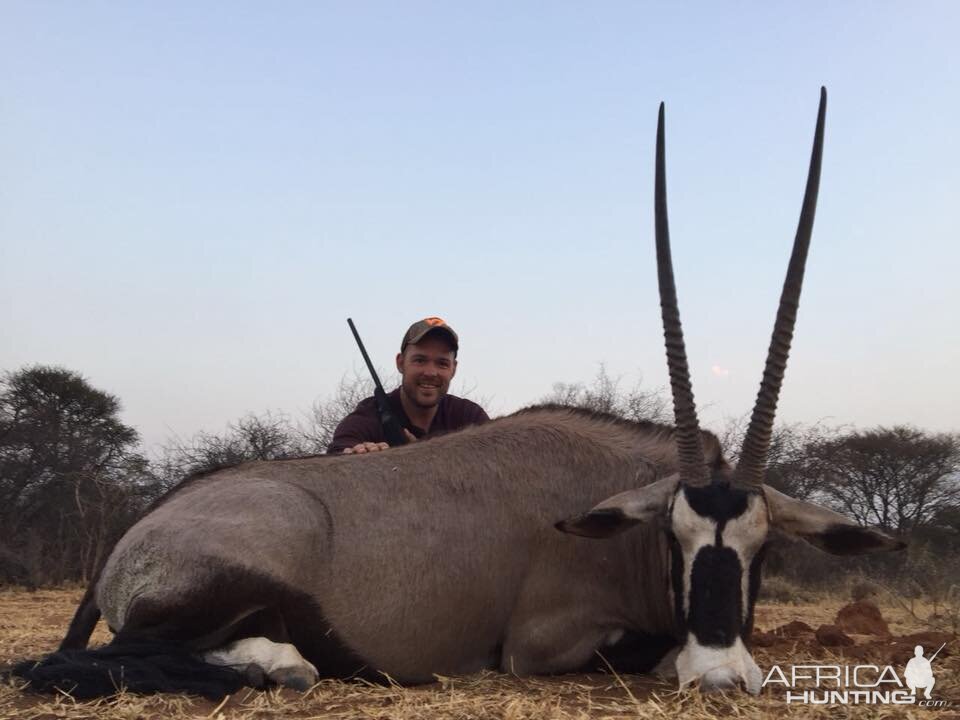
pixel 363 351
pixel 937 652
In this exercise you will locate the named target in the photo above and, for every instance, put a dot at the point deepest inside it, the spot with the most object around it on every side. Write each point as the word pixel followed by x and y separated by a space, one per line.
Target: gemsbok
pixel 444 556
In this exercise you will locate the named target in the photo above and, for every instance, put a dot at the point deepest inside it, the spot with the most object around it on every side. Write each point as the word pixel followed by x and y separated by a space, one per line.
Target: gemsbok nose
pixel 719 680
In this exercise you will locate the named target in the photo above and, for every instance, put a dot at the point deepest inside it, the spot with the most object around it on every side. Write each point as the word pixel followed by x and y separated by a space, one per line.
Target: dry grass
pixel 32 624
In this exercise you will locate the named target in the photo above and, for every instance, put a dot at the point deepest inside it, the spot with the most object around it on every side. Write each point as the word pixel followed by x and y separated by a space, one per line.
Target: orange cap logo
pixel 434 321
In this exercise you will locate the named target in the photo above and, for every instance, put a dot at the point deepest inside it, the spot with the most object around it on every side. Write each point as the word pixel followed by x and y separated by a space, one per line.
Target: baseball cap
pixel 421 328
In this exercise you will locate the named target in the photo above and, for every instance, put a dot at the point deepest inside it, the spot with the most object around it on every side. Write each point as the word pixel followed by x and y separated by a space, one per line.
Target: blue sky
pixel 194 196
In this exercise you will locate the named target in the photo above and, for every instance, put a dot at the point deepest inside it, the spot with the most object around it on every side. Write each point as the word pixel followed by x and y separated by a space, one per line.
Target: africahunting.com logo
pixel 859 684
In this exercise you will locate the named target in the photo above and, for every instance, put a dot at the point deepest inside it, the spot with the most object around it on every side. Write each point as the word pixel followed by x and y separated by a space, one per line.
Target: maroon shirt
pixel 363 424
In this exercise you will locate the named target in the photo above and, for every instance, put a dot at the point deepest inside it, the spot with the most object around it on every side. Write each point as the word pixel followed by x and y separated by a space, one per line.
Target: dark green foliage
pixel 71 480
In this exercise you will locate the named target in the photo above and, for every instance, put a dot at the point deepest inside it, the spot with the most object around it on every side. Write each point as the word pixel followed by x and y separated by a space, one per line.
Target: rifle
pixel 937 652
pixel 392 427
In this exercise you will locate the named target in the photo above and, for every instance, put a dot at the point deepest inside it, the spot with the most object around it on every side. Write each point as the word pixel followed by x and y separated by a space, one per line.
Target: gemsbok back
pixel 444 557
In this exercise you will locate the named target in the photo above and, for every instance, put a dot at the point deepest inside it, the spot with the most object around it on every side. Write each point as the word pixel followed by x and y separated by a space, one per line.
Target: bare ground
pixel 32 624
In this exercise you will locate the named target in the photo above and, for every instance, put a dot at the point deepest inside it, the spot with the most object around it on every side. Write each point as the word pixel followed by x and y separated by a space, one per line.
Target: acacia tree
pixel 69 474
pixel 897 478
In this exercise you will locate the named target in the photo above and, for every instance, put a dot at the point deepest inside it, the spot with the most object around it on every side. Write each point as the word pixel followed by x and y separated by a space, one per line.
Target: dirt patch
pixel 832 636
pixel 860 632
pixel 793 629
pixel 862 618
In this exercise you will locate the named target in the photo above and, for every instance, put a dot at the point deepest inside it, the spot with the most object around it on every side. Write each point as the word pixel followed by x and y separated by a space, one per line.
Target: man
pixel 919 674
pixel 427 362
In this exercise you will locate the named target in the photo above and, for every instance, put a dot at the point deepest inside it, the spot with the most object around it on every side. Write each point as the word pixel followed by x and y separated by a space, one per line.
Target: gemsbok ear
pixel 623 511
pixel 825 529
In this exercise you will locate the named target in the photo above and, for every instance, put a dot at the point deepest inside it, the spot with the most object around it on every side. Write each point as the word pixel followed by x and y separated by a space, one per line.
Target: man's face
pixel 427 369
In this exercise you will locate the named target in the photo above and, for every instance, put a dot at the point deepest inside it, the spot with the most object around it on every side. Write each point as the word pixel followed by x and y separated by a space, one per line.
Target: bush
pixel 778 589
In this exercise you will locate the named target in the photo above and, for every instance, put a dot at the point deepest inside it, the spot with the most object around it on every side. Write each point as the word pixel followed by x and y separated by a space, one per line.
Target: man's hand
pixel 369 447
pixel 365 447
